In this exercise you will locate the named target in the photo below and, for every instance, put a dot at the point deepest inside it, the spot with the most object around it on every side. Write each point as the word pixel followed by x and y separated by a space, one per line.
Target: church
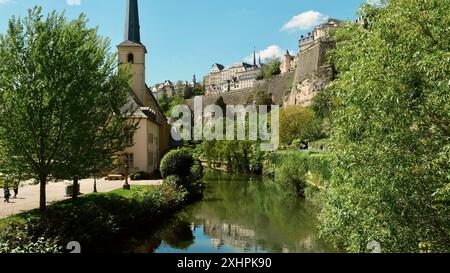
pixel 152 137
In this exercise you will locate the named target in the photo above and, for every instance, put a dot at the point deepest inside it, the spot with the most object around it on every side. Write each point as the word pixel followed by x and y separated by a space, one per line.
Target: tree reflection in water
pixel 240 214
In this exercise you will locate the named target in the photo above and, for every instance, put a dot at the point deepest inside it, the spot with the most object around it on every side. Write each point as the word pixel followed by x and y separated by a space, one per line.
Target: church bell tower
pixel 133 52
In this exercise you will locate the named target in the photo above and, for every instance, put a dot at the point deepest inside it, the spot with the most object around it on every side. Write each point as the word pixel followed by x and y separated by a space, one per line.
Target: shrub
pixel 292 174
pixel 140 176
pixel 176 181
pixel 197 171
pixel 177 162
pixel 16 239
pixel 98 221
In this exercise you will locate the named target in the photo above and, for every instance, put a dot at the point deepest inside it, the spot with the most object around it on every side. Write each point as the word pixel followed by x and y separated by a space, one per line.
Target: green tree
pixel 164 102
pixel 198 90
pixel 60 95
pixel 272 68
pixel 298 122
pixel 391 158
pixel 177 100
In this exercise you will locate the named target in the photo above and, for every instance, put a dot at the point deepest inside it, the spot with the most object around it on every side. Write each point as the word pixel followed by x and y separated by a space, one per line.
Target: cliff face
pixel 307 87
pixel 312 75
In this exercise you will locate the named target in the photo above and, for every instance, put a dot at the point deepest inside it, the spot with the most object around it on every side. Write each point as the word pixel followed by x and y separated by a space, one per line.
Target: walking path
pixel 28 197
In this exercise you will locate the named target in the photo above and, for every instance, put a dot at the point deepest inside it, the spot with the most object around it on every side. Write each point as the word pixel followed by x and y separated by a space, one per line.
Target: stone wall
pixel 278 88
pixel 293 88
pixel 313 73
pixel 307 87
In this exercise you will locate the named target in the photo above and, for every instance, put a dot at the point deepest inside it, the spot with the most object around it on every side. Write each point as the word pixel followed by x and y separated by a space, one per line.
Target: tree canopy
pixel 391 157
pixel 60 97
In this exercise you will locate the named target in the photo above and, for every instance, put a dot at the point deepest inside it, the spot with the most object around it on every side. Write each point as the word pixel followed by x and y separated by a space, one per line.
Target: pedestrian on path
pixel 6 193
pixel 16 183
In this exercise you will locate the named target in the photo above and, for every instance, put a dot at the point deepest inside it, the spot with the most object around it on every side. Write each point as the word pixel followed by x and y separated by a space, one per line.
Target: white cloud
pixel 305 20
pixel 374 2
pixel 72 2
pixel 4 2
pixel 271 52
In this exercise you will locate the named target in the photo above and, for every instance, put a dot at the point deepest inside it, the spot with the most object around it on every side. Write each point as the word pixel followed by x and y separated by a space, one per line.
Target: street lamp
pixel 126 186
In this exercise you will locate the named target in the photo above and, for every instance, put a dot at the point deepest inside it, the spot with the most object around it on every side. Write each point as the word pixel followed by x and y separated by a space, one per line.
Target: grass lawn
pixel 66 204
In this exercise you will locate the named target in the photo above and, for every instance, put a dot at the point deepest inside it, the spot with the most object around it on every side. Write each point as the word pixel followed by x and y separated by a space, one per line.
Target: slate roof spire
pixel 254 56
pixel 132 28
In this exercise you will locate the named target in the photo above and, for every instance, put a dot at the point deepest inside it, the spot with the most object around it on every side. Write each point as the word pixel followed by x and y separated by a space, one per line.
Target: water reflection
pixel 240 214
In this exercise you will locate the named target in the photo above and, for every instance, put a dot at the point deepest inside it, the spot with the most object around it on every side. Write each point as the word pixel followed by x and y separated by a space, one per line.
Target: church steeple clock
pixel 132 52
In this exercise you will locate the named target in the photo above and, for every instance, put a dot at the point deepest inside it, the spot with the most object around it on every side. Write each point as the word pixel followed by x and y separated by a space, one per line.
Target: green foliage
pixel 164 102
pixel 177 181
pixel 97 221
pixel 272 68
pixel 60 95
pixel 15 239
pixel 197 90
pixel 296 170
pixel 390 160
pixel 177 162
pixel 297 122
pixel 141 176
pixel 167 103
pixel 197 171
pixel 238 156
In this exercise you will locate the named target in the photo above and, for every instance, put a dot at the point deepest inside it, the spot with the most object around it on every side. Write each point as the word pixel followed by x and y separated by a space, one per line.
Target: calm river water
pixel 239 214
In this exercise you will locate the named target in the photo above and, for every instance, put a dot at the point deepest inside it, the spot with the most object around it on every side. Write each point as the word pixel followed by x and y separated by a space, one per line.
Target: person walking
pixel 6 193
pixel 16 183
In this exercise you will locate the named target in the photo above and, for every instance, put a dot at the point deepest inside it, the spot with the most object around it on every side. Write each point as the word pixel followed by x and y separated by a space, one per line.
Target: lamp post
pixel 126 186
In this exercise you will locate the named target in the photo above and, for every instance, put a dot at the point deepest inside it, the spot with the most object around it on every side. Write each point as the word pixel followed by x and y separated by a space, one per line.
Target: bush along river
pixel 238 214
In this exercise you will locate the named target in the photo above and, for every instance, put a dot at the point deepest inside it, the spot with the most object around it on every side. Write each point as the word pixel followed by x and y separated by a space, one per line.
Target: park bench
pixel 115 177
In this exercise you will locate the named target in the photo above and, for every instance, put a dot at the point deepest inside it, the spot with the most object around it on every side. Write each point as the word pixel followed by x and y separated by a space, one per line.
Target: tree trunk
pixel 246 162
pixel 42 200
pixel 75 189
pixel 95 184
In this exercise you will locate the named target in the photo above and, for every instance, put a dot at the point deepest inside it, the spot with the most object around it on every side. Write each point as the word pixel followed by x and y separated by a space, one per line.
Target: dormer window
pixel 130 58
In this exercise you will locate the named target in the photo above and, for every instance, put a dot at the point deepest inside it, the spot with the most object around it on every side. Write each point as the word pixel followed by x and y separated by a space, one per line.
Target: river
pixel 239 214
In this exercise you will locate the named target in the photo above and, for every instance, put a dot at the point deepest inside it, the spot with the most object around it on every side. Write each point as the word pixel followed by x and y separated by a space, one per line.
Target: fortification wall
pixel 309 85
pixel 293 88
pixel 313 73
pixel 278 88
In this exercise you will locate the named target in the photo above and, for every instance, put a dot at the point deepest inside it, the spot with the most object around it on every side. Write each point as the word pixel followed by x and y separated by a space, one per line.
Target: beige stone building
pixel 320 32
pixel 235 77
pixel 151 139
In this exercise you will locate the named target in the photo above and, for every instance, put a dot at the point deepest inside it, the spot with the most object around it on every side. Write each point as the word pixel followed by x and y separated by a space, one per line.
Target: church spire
pixel 132 28
pixel 254 56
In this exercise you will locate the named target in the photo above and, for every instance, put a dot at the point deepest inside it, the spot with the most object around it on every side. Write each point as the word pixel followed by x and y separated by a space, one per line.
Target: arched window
pixel 130 58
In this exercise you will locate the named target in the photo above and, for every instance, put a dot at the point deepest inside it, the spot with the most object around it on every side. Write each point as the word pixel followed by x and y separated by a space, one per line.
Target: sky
pixel 186 37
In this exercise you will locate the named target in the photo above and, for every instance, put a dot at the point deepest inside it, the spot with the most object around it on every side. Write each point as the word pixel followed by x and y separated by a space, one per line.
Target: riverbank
pixel 98 222
pixel 299 171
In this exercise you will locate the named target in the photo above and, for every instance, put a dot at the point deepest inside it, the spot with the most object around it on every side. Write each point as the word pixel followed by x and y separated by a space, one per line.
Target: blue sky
pixel 185 37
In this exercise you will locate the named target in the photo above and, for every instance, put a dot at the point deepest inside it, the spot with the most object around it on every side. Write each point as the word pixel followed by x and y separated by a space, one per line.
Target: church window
pixel 130 141
pixel 130 58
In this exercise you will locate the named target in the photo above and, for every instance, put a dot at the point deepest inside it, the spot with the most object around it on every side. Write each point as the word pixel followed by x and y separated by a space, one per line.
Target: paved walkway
pixel 28 197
